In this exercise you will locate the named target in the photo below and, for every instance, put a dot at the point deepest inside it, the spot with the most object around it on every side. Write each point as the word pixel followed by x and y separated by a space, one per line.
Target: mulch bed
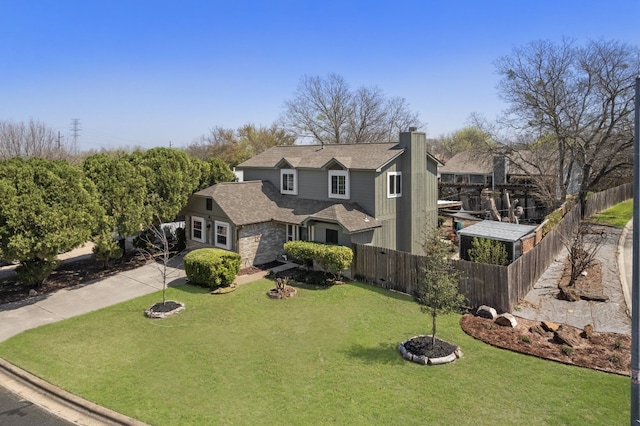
pixel 608 352
pixel 69 274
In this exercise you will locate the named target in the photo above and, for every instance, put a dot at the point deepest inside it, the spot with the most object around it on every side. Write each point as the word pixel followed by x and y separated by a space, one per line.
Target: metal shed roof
pixel 501 231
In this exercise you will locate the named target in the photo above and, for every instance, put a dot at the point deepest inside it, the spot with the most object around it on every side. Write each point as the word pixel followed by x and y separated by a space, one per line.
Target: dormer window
pixel 394 184
pixel 339 184
pixel 289 181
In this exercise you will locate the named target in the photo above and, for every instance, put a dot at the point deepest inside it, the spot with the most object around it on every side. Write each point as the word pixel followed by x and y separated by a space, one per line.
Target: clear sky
pixel 148 73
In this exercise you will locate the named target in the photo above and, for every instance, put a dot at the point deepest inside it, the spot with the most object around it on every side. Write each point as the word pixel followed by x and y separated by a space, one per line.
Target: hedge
pixel 212 267
pixel 331 258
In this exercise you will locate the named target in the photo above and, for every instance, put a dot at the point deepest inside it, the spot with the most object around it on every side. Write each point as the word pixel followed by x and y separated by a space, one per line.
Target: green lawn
pixel 323 357
pixel 616 216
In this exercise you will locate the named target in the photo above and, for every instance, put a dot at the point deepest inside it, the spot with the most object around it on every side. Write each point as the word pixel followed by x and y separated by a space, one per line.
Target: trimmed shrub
pixel 332 258
pixel 212 267
pixel 304 251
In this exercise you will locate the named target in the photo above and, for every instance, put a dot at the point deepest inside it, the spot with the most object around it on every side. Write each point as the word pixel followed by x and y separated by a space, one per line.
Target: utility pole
pixel 635 277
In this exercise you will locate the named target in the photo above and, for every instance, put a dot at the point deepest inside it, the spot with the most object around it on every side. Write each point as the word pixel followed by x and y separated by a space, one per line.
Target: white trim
pixel 345 174
pixel 293 172
pixel 227 227
pixel 202 229
pixel 294 235
pixel 391 193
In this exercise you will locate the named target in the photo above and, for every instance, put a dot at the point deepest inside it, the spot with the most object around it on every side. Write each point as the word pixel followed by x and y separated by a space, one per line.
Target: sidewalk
pixel 612 316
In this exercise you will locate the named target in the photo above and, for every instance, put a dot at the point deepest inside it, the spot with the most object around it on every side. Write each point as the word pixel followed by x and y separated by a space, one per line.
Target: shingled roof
pixel 251 202
pixel 369 156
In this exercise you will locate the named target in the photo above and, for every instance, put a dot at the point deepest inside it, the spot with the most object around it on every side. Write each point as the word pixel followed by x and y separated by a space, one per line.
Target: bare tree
pixel 583 245
pixel 578 101
pixel 33 139
pixel 329 111
pixel 157 248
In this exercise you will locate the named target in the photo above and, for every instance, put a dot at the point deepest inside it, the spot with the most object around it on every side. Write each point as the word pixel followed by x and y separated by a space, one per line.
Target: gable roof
pixel 468 162
pixel 256 201
pixel 369 156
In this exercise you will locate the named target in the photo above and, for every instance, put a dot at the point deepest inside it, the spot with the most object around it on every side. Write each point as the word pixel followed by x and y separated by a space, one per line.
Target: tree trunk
pixel 433 327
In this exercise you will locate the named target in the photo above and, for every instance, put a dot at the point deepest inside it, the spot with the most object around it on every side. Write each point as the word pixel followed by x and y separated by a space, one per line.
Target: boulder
pixel 550 326
pixel 587 332
pixel 506 320
pixel 32 293
pixel 538 330
pixel 488 312
pixel 567 336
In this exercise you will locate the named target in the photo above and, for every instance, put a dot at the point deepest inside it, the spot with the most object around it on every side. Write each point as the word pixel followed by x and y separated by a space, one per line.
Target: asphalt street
pixel 15 411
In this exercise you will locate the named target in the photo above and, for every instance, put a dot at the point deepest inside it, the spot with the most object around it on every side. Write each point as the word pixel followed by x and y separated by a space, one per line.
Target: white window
pixel 289 181
pixel 394 184
pixel 339 184
pixel 198 232
pixel 222 236
pixel 293 233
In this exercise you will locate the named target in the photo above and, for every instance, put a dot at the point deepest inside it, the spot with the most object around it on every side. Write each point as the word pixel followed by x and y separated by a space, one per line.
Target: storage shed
pixel 509 234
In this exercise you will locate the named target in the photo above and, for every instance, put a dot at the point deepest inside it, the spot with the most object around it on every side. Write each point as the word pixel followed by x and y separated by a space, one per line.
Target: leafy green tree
pixel 123 192
pixel 171 176
pixel 438 285
pixel 46 208
pixel 484 250
pixel 214 171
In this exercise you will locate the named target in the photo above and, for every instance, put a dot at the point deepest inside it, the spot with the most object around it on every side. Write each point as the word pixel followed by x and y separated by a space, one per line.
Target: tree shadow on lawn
pixel 384 353
pixel 382 291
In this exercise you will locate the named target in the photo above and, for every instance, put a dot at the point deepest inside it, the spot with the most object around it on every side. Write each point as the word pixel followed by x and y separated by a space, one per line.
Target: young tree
pixel 579 101
pixel 158 250
pixel 46 208
pixel 438 285
pixel 583 246
pixel 327 110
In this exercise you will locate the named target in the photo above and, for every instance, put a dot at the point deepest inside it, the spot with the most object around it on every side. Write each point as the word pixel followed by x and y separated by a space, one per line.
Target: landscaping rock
pixel 587 332
pixel 32 293
pixel 506 320
pixel 488 312
pixel 550 326
pixel 567 336
pixel 538 329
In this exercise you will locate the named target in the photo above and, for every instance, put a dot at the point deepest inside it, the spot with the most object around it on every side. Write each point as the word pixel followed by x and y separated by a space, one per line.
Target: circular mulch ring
pixel 163 310
pixel 423 350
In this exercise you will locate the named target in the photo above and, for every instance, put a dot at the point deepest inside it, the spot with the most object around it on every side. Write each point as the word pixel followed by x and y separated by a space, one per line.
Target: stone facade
pixel 261 243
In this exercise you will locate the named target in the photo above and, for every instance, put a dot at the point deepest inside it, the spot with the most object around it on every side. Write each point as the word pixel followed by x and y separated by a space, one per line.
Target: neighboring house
pixel 517 239
pixel 467 174
pixel 382 194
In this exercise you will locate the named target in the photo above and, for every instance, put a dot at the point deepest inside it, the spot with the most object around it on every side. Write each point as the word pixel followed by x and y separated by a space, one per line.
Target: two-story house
pixel 383 194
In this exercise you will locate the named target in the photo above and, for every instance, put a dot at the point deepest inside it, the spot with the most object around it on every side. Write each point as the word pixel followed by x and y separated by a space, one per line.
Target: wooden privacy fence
pixel 482 284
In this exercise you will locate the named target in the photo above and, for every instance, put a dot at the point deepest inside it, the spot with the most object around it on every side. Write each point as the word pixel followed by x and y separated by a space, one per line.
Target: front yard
pixel 325 356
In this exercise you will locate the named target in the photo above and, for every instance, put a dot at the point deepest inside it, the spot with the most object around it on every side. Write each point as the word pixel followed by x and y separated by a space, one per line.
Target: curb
pixel 621 266
pixel 57 401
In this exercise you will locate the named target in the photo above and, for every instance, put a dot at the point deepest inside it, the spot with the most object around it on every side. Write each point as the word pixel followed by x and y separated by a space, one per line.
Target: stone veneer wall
pixel 261 243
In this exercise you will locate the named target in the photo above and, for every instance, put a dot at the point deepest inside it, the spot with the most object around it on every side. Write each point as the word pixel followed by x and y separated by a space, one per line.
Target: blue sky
pixel 147 73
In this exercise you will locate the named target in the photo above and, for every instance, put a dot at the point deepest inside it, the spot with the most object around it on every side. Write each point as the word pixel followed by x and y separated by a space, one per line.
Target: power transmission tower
pixel 75 130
